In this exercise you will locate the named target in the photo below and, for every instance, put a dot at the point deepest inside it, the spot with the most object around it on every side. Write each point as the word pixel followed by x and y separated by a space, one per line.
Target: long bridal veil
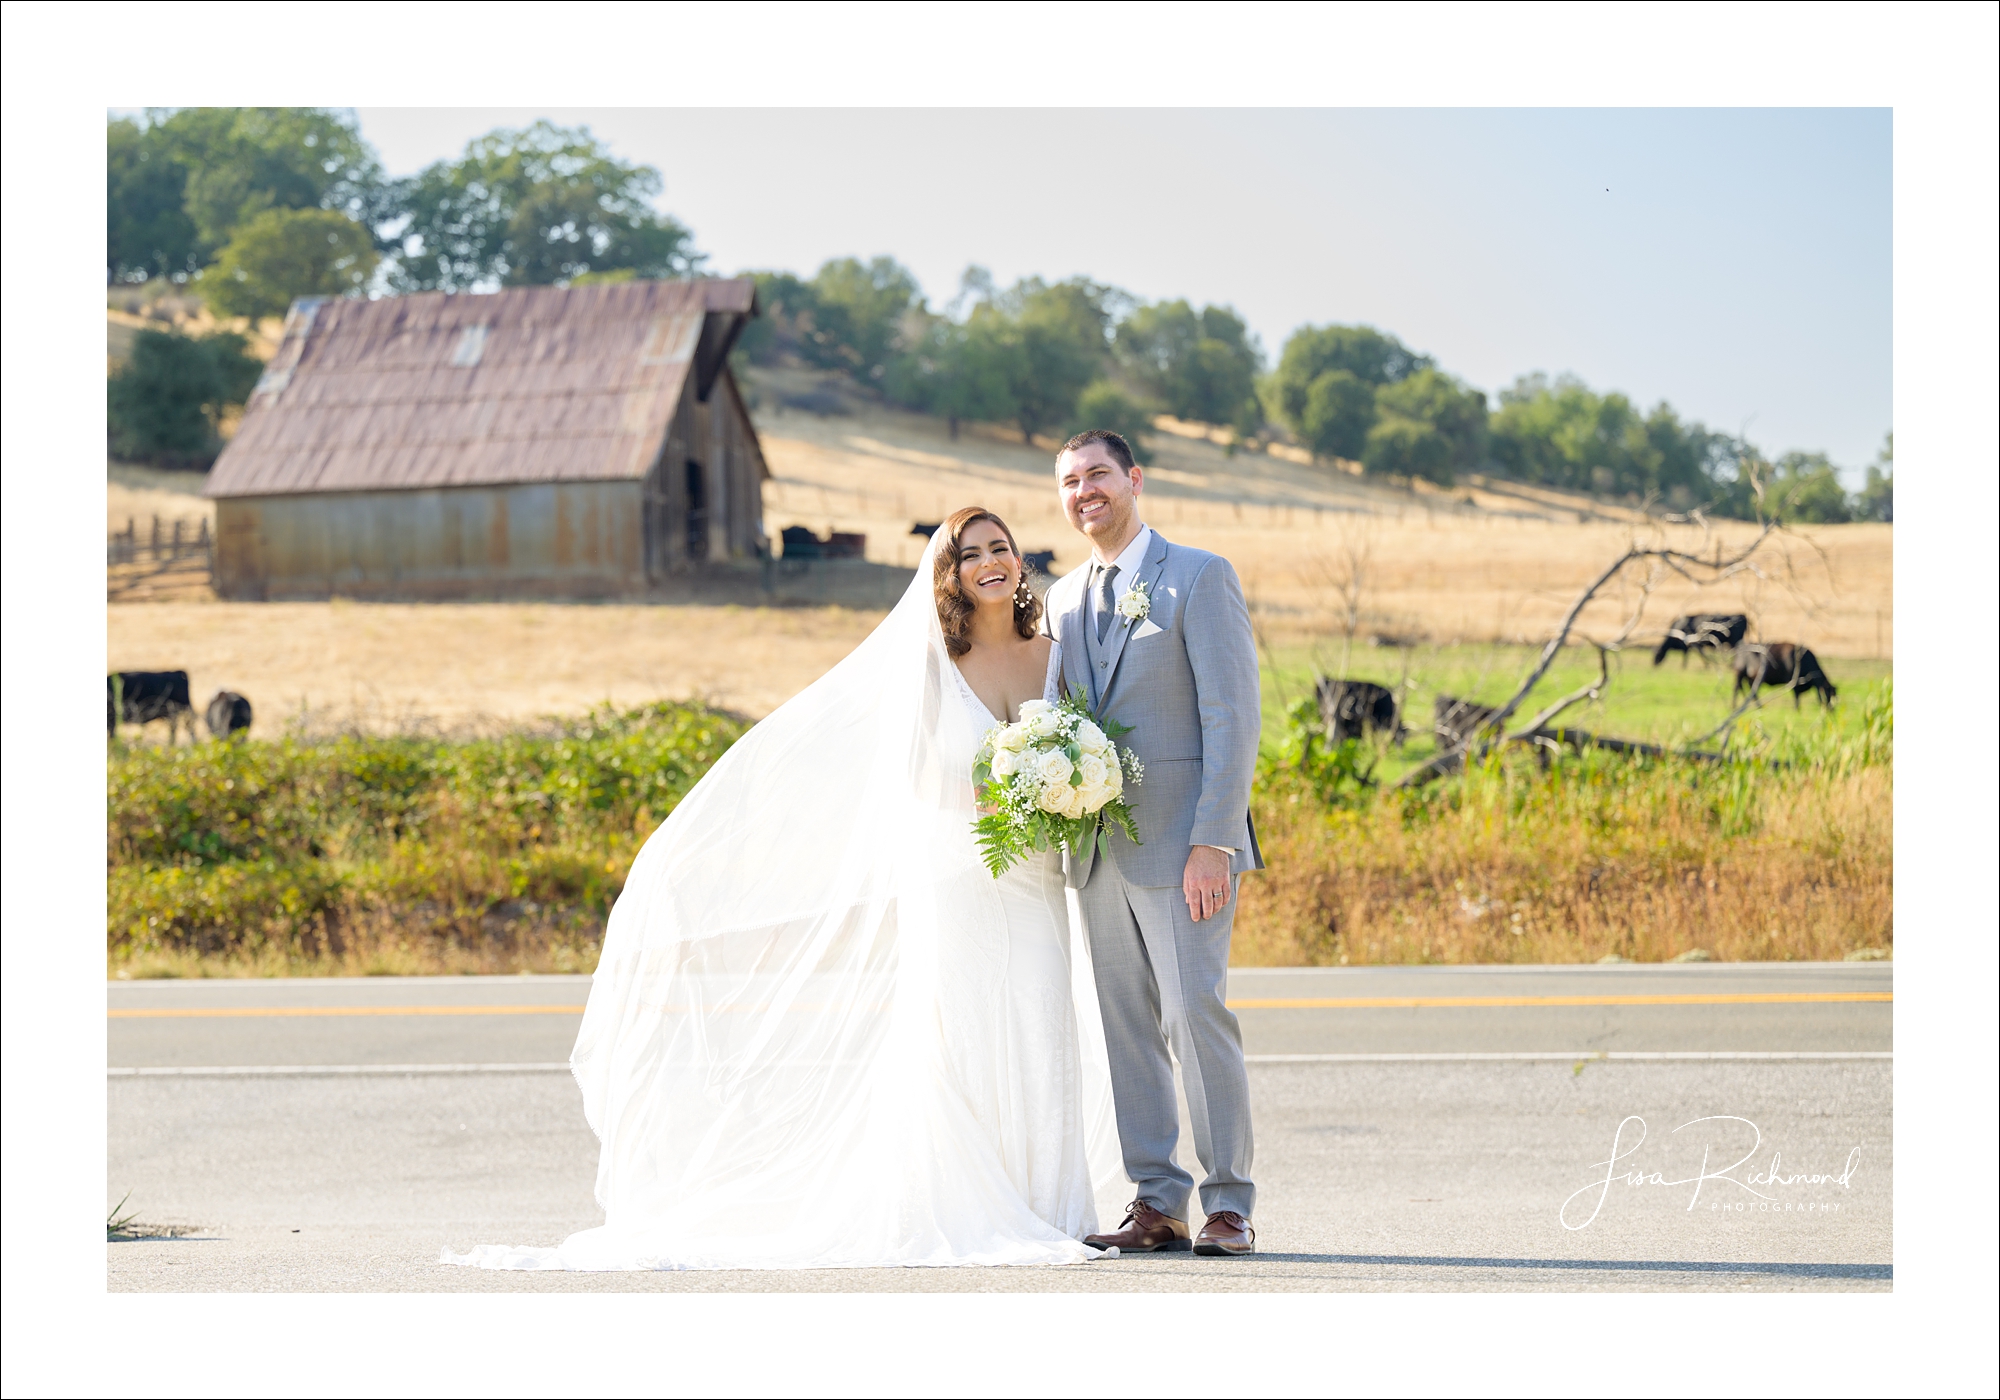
pixel 789 1051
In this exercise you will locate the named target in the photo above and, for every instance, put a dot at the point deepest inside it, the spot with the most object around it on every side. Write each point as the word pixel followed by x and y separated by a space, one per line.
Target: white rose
pixel 1114 781
pixel 1094 770
pixel 1013 737
pixel 1076 807
pixel 1090 738
pixel 1094 795
pixel 1054 799
pixel 1056 767
pixel 1006 763
pixel 1042 723
pixel 1033 707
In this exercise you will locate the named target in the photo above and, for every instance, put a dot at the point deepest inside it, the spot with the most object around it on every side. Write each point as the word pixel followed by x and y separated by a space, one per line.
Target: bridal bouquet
pixel 1053 777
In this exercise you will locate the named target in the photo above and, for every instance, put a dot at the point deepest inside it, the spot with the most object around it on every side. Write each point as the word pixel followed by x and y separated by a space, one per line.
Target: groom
pixel 1158 637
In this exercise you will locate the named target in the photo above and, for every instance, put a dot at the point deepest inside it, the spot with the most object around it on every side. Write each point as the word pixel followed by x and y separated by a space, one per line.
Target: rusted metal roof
pixel 461 389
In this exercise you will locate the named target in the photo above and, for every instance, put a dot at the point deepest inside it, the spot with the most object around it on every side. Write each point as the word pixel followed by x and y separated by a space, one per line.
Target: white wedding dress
pixel 820 1034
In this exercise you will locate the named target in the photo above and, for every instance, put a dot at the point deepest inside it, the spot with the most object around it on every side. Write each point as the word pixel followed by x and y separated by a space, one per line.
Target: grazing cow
pixel 800 543
pixel 923 531
pixel 1350 709
pixel 1703 632
pixel 1781 663
pixel 1456 720
pixel 228 715
pixel 138 697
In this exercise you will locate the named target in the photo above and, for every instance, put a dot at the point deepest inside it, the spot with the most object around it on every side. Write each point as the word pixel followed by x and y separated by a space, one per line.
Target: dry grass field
pixel 478 667
pixel 1491 562
pixel 135 494
pixel 1324 556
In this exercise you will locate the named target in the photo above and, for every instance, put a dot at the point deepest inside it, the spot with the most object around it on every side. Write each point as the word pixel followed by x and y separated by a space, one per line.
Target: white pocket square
pixel 1147 628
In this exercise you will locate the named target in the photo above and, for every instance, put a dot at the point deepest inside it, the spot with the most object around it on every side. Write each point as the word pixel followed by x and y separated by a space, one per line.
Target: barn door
pixel 697 512
pixel 656 524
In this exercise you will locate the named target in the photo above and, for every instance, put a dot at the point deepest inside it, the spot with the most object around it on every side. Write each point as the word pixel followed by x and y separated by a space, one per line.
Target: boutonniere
pixel 1134 604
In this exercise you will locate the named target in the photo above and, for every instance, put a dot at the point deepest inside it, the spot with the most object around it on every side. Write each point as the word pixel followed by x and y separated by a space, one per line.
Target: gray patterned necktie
pixel 1107 601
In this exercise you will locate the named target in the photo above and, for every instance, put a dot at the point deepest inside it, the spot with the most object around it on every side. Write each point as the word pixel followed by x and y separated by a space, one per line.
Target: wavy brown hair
pixel 954 608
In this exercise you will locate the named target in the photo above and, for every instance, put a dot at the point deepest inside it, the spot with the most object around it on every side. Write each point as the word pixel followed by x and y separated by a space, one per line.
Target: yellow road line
pixel 1247 1004
pixel 1664 999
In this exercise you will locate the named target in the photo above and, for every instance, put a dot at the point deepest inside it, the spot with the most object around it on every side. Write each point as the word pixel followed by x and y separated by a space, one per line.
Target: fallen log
pixel 1459 722
pixel 1580 739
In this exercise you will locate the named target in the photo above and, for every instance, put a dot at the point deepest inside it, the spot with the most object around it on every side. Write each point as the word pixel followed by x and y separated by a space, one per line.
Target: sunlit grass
pixel 1667 705
pixel 387 855
pixel 375 854
pixel 1784 853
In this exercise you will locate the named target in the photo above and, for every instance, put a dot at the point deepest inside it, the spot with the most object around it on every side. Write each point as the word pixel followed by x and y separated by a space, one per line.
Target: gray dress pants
pixel 1160 984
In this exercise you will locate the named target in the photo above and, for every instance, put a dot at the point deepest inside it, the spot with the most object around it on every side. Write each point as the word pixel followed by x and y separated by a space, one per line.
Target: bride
pixel 821 1034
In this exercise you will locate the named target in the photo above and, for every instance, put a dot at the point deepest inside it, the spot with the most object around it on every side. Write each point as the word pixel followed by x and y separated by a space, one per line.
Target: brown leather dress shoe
pixel 1144 1231
pixel 1226 1232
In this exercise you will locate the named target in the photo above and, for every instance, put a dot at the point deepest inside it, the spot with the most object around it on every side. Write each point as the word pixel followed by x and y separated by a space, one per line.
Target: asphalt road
pixel 1417 1128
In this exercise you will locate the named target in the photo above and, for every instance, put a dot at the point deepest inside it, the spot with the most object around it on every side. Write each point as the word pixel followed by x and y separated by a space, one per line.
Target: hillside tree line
pixel 252 208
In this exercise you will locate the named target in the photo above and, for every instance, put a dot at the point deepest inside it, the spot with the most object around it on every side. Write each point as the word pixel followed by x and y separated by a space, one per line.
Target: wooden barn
pixel 537 442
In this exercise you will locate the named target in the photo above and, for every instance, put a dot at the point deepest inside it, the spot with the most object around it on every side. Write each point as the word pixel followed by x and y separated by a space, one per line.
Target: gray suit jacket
pixel 1185 679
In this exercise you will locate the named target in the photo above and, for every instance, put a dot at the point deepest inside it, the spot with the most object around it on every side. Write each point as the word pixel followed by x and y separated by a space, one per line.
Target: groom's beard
pixel 1112 525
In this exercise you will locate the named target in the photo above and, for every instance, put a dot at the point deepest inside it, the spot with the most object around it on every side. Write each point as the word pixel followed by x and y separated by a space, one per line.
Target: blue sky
pixel 1735 263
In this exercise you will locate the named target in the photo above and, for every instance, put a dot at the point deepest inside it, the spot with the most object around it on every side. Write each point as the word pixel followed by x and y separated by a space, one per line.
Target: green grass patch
pixel 1782 852
pixel 288 853
pixel 400 854
pixel 1667 705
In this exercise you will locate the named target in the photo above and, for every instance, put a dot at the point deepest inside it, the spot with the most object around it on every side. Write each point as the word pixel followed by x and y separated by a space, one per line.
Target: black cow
pixel 800 543
pixel 1781 663
pixel 1703 632
pixel 228 715
pixel 1351 709
pixel 1455 721
pixel 138 697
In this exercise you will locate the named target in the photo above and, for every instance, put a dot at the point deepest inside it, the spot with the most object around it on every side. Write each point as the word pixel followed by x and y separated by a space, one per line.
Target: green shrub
pixel 1104 405
pixel 283 254
pixel 165 403
pixel 246 846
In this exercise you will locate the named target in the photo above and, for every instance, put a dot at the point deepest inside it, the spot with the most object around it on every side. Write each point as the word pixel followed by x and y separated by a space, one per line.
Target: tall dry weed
pixel 1786 855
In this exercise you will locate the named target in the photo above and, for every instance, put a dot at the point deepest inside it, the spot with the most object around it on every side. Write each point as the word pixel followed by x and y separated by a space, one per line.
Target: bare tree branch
pixel 1270 656
pixel 1690 565
pixel 1589 692
pixel 1721 568
pixel 1756 691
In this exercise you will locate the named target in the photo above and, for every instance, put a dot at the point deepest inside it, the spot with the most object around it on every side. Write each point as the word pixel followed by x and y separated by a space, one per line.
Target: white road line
pixel 1418 1057
pixel 152 1071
